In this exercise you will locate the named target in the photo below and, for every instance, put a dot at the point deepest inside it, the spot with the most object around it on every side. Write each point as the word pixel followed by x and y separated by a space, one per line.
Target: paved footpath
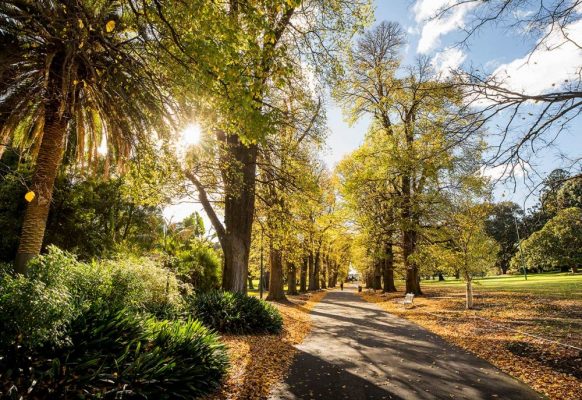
pixel 358 351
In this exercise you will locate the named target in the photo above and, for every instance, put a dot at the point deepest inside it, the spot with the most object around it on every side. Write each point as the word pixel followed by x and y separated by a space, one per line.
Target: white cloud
pixel 554 62
pixel 503 171
pixel 433 29
pixel 449 59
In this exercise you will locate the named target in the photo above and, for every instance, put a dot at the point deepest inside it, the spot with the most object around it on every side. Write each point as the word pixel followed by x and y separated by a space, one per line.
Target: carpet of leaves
pixel 260 361
pixel 549 368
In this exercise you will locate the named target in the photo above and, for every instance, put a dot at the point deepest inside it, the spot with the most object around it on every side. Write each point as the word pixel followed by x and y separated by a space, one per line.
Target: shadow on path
pixel 357 351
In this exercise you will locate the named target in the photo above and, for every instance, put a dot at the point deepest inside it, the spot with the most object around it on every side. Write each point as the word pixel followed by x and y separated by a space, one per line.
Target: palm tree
pixel 81 78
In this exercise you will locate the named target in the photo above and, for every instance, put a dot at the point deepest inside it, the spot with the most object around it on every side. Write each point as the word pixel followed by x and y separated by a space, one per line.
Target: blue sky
pixel 494 48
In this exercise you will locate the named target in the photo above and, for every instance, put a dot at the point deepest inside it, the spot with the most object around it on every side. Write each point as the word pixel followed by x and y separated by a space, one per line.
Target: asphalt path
pixel 358 351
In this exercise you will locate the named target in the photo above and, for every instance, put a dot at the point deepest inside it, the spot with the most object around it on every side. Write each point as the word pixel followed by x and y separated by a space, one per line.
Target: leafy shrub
pixel 141 284
pixel 235 313
pixel 35 310
pixel 33 314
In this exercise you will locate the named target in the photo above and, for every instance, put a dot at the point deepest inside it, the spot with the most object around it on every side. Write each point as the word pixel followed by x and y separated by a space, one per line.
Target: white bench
pixel 408 300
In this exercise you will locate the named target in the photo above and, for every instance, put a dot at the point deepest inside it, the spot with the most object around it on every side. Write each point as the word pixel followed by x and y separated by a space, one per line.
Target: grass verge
pixel 546 366
pixel 260 361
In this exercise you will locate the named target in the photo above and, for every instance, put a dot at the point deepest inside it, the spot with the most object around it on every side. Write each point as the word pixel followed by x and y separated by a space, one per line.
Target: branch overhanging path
pixel 358 351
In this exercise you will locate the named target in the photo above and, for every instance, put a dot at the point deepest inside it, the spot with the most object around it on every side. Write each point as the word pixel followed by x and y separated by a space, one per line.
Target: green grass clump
pixel 235 313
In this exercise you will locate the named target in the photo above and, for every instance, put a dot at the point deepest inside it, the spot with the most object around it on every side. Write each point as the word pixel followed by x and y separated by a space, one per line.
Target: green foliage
pixel 118 353
pixel 557 244
pixel 91 217
pixel 149 358
pixel 70 327
pixel 140 284
pixel 32 313
pixel 186 360
pixel 36 309
pixel 501 226
pixel 235 313
pixel 191 255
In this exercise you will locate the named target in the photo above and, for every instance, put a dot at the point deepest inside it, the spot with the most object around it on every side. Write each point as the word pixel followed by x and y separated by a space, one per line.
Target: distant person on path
pixel 342 285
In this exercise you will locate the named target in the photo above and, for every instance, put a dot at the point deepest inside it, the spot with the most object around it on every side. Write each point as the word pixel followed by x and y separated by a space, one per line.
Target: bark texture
pixel 469 295
pixel 388 270
pixel 49 158
pixel 276 291
pixel 303 275
pixel 291 279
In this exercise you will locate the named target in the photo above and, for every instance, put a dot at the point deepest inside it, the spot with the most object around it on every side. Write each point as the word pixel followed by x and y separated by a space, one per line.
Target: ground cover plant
pixel 235 313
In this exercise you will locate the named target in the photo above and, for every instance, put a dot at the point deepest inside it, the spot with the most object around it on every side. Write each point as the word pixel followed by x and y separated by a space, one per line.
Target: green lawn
pixel 548 284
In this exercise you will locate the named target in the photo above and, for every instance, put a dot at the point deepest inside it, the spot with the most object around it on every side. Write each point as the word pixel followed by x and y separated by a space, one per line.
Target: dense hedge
pixel 235 313
pixel 72 329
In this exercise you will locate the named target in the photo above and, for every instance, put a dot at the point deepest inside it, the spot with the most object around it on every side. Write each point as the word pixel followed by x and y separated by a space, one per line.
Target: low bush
pixel 35 310
pixel 235 313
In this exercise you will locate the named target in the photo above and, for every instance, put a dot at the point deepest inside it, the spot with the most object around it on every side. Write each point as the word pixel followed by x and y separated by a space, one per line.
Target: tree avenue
pixel 418 141
pixel 189 187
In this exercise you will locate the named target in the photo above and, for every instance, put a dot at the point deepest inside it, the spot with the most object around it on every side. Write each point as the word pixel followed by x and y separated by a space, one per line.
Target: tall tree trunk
pixel 291 279
pixel 388 270
pixel 377 281
pixel 412 277
pixel 323 279
pixel 239 207
pixel 311 269
pixel 369 279
pixel 409 234
pixel 574 269
pixel 276 286
pixel 303 275
pixel 49 158
pixel 250 279
pixel 316 269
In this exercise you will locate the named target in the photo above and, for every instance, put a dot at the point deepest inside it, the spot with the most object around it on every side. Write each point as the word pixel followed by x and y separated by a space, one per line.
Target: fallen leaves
pixel 548 367
pixel 260 361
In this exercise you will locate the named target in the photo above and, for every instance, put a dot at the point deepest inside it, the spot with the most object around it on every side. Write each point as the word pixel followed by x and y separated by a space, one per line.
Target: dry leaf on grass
pixel 548 367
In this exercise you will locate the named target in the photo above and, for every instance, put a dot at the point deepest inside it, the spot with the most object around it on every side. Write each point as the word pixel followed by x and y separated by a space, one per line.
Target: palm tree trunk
pixel 49 158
